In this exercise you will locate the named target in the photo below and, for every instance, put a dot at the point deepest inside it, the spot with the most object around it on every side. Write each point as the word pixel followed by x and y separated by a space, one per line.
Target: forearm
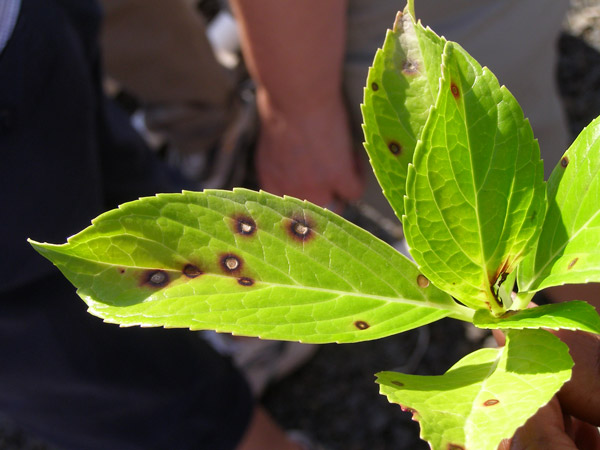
pixel 294 51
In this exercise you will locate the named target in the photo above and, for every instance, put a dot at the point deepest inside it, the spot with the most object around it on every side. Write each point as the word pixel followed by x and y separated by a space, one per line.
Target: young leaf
pixel 487 395
pixel 567 250
pixel 249 263
pixel 575 315
pixel 475 194
pixel 401 88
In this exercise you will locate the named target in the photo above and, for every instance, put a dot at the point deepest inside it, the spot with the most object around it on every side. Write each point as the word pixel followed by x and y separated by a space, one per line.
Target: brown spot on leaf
pixel 410 67
pixel 422 281
pixel 397 383
pixel 454 89
pixel 121 270
pixel 361 325
pixel 374 86
pixel 231 263
pixel 245 281
pixel 491 402
pixel 395 148
pixel 564 162
pixel 245 225
pixel 300 229
pixel 572 263
pixel 155 278
pixel 191 271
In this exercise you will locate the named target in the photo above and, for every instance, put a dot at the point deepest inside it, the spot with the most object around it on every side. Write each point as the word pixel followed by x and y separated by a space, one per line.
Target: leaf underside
pixel 475 192
pixel 487 395
pixel 568 250
pixel 575 315
pixel 248 263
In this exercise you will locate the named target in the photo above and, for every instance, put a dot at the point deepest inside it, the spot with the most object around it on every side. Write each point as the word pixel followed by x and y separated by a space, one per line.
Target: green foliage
pixel 249 263
pixel 460 166
pixel 470 405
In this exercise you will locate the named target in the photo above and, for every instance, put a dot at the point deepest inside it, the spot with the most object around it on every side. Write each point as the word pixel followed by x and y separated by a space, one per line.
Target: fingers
pixel 580 397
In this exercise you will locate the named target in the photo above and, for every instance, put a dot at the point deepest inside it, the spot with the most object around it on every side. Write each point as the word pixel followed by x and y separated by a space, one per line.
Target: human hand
pixel 571 418
pixel 308 154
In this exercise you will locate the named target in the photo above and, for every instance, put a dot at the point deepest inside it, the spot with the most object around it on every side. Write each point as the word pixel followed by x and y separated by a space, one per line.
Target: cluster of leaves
pixel 460 166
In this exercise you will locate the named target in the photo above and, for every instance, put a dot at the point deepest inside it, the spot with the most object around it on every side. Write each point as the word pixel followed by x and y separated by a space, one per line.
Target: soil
pixel 334 397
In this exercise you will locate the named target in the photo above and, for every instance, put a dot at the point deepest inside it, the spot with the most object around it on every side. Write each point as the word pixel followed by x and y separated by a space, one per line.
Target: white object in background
pixel 222 32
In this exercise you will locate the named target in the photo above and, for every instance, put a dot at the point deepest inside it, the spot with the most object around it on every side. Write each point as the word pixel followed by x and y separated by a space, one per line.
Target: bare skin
pixel 571 419
pixel 294 51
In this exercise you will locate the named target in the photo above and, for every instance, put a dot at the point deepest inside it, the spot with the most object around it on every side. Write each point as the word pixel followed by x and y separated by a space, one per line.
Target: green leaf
pixel 487 395
pixel 568 250
pixel 475 194
pixel 401 88
pixel 249 263
pixel 575 315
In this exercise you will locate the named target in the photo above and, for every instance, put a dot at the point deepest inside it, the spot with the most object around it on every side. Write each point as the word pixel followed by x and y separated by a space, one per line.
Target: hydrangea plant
pixel 461 168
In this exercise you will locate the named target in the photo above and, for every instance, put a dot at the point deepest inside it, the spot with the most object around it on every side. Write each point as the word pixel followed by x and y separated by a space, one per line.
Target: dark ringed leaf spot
pixel 395 148
pixel 374 86
pixel 121 270
pixel 300 229
pixel 564 162
pixel 155 278
pixel 245 281
pixel 361 325
pixel 191 271
pixel 410 67
pixel 572 263
pixel 245 225
pixel 397 383
pixel 455 91
pixel 422 281
pixel 231 263
pixel 491 402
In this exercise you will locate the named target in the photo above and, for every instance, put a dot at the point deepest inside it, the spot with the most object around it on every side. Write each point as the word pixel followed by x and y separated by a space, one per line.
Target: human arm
pixel 294 52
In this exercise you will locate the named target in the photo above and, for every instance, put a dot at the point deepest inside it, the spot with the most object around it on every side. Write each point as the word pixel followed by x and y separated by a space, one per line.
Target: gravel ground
pixel 334 396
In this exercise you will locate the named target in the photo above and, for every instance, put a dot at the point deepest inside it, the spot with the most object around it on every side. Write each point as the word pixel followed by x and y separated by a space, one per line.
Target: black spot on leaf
pixel 191 271
pixel 361 325
pixel 374 86
pixel 395 148
pixel 300 229
pixel 245 225
pixel 245 281
pixel 155 278
pixel 397 383
pixel 564 162
pixel 121 270
pixel 410 67
pixel 231 263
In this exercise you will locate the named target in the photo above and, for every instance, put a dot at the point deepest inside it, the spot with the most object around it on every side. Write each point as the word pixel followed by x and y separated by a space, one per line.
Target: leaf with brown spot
pixel 488 394
pixel 406 73
pixel 249 263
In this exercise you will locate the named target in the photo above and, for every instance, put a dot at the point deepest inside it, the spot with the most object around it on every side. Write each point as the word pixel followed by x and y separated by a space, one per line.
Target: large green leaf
pixel 401 88
pixel 575 315
pixel 249 263
pixel 475 194
pixel 487 395
pixel 568 249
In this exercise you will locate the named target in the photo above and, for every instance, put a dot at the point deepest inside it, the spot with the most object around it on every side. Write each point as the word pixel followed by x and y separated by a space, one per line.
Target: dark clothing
pixel 67 154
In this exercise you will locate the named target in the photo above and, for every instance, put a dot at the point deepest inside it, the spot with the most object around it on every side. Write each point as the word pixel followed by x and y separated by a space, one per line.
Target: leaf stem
pixel 462 313
pixel 522 300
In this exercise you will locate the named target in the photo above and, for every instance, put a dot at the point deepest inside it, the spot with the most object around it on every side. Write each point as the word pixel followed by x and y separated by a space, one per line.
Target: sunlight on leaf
pixel 249 263
pixel 487 395
pixel 475 192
